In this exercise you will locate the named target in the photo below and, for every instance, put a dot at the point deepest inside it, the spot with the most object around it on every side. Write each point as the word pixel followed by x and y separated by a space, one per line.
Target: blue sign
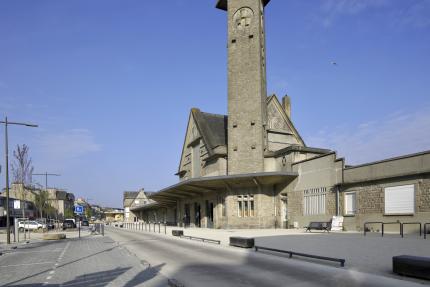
pixel 79 209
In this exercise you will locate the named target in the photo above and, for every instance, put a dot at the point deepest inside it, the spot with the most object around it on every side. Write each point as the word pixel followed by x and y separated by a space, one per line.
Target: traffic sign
pixel 79 209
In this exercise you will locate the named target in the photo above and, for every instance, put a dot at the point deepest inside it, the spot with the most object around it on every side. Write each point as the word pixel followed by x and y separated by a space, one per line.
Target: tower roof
pixel 222 4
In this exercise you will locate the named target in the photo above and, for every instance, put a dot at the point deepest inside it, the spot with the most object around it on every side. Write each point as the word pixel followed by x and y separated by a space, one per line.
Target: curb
pixel 174 283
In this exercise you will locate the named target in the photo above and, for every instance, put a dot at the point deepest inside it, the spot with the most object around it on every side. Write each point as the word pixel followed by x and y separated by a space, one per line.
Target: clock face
pixel 242 18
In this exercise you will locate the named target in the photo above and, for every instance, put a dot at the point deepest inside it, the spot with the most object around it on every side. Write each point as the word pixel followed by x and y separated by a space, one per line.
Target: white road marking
pixel 24 252
pixel 26 264
pixel 52 272
pixel 64 251
pixel 48 278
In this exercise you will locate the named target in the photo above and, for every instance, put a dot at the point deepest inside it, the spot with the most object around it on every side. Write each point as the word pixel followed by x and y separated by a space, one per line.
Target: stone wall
pixel 371 203
pixel 424 196
pixel 264 210
pixel 296 212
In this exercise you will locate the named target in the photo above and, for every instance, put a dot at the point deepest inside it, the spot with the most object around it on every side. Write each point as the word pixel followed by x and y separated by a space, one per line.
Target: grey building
pixel 252 169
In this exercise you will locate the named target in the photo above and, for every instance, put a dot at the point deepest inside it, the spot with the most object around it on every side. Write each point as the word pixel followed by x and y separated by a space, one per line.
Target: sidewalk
pixel 223 235
pixel 370 254
pixel 36 236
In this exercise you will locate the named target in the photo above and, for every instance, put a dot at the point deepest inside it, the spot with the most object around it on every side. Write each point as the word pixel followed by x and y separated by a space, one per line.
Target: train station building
pixel 252 169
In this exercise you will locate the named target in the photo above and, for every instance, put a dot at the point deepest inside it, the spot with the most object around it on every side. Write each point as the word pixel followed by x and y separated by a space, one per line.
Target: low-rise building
pixel 132 200
pixel 17 209
pixel 60 200
pixel 113 214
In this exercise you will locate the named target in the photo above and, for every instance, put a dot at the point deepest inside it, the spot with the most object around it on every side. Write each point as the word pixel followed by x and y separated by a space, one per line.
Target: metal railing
pixel 291 253
pixel 401 227
pixel 99 228
pixel 146 226
pixel 371 222
pixel 425 229
pixel 201 239
pixel 410 223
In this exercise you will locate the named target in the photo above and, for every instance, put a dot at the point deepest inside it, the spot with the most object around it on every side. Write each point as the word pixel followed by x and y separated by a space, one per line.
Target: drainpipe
pixel 337 200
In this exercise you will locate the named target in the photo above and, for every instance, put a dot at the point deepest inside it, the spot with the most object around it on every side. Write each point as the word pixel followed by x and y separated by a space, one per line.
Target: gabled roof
pixel 130 194
pixel 212 127
pixel 213 130
pixel 287 118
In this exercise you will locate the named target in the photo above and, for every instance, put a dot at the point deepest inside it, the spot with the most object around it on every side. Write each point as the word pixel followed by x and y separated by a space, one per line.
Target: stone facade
pixel 246 86
pixel 371 202
pixel 252 169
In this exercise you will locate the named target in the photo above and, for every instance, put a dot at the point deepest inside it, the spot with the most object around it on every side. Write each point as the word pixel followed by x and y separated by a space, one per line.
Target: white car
pixel 30 225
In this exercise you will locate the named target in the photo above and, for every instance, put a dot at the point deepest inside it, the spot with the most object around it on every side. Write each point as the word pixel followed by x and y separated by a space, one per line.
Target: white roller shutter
pixel 400 199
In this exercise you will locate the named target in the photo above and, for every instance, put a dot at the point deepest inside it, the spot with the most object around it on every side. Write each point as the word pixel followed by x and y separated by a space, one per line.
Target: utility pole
pixel 6 147
pixel 46 174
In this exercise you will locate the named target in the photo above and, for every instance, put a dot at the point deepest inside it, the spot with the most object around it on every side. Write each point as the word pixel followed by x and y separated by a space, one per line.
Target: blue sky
pixel 111 83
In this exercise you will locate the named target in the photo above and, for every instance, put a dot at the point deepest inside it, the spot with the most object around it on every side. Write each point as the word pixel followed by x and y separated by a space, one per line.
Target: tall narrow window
pixel 251 205
pixel 350 203
pixel 245 208
pixel 245 204
pixel 240 206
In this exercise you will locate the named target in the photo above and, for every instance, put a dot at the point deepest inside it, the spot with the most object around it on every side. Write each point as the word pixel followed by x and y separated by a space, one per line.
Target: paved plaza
pixel 89 261
pixel 366 257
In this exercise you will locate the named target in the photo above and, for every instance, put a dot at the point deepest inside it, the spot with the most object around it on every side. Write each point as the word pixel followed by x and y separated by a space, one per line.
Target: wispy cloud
pixel 396 134
pixel 417 14
pixel 69 144
pixel 333 8
pixel 413 13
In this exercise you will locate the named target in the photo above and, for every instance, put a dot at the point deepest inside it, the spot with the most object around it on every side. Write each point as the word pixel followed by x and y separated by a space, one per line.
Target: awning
pixel 147 206
pixel 202 185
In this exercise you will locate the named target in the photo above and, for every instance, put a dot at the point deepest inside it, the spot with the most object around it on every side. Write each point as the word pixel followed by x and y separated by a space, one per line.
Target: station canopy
pixel 202 185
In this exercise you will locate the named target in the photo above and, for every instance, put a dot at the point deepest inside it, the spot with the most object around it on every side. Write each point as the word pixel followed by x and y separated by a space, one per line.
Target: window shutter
pixel 399 199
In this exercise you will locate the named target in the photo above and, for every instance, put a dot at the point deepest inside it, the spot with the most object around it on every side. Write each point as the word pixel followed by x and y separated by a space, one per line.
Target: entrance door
pixel 210 214
pixel 197 214
pixel 187 217
pixel 284 213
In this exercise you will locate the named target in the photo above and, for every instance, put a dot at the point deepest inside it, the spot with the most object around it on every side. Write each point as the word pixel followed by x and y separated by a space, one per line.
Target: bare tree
pixel 22 170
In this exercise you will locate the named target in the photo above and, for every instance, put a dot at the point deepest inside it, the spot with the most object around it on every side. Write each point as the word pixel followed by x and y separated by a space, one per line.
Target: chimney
pixel 286 104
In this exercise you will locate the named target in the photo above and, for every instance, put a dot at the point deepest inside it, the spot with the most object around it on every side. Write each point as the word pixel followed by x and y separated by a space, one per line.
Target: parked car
pixel 30 225
pixel 50 225
pixel 68 224
pixel 85 223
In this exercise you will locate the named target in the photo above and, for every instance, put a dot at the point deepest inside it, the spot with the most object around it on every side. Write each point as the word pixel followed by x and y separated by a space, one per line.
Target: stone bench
pixel 242 242
pixel 414 266
pixel 177 232
pixel 54 236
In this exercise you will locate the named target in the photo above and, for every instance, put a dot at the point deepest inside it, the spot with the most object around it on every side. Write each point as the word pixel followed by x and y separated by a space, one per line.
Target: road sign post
pixel 79 210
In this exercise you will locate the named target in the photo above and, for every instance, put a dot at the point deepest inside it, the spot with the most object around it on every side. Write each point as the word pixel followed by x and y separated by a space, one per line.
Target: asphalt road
pixel 89 261
pixel 203 264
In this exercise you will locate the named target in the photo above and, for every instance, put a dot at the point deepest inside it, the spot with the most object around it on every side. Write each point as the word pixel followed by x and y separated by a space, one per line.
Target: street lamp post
pixel 6 123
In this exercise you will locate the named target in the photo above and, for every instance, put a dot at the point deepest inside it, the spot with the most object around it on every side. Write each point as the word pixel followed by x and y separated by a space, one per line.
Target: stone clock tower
pixel 246 85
